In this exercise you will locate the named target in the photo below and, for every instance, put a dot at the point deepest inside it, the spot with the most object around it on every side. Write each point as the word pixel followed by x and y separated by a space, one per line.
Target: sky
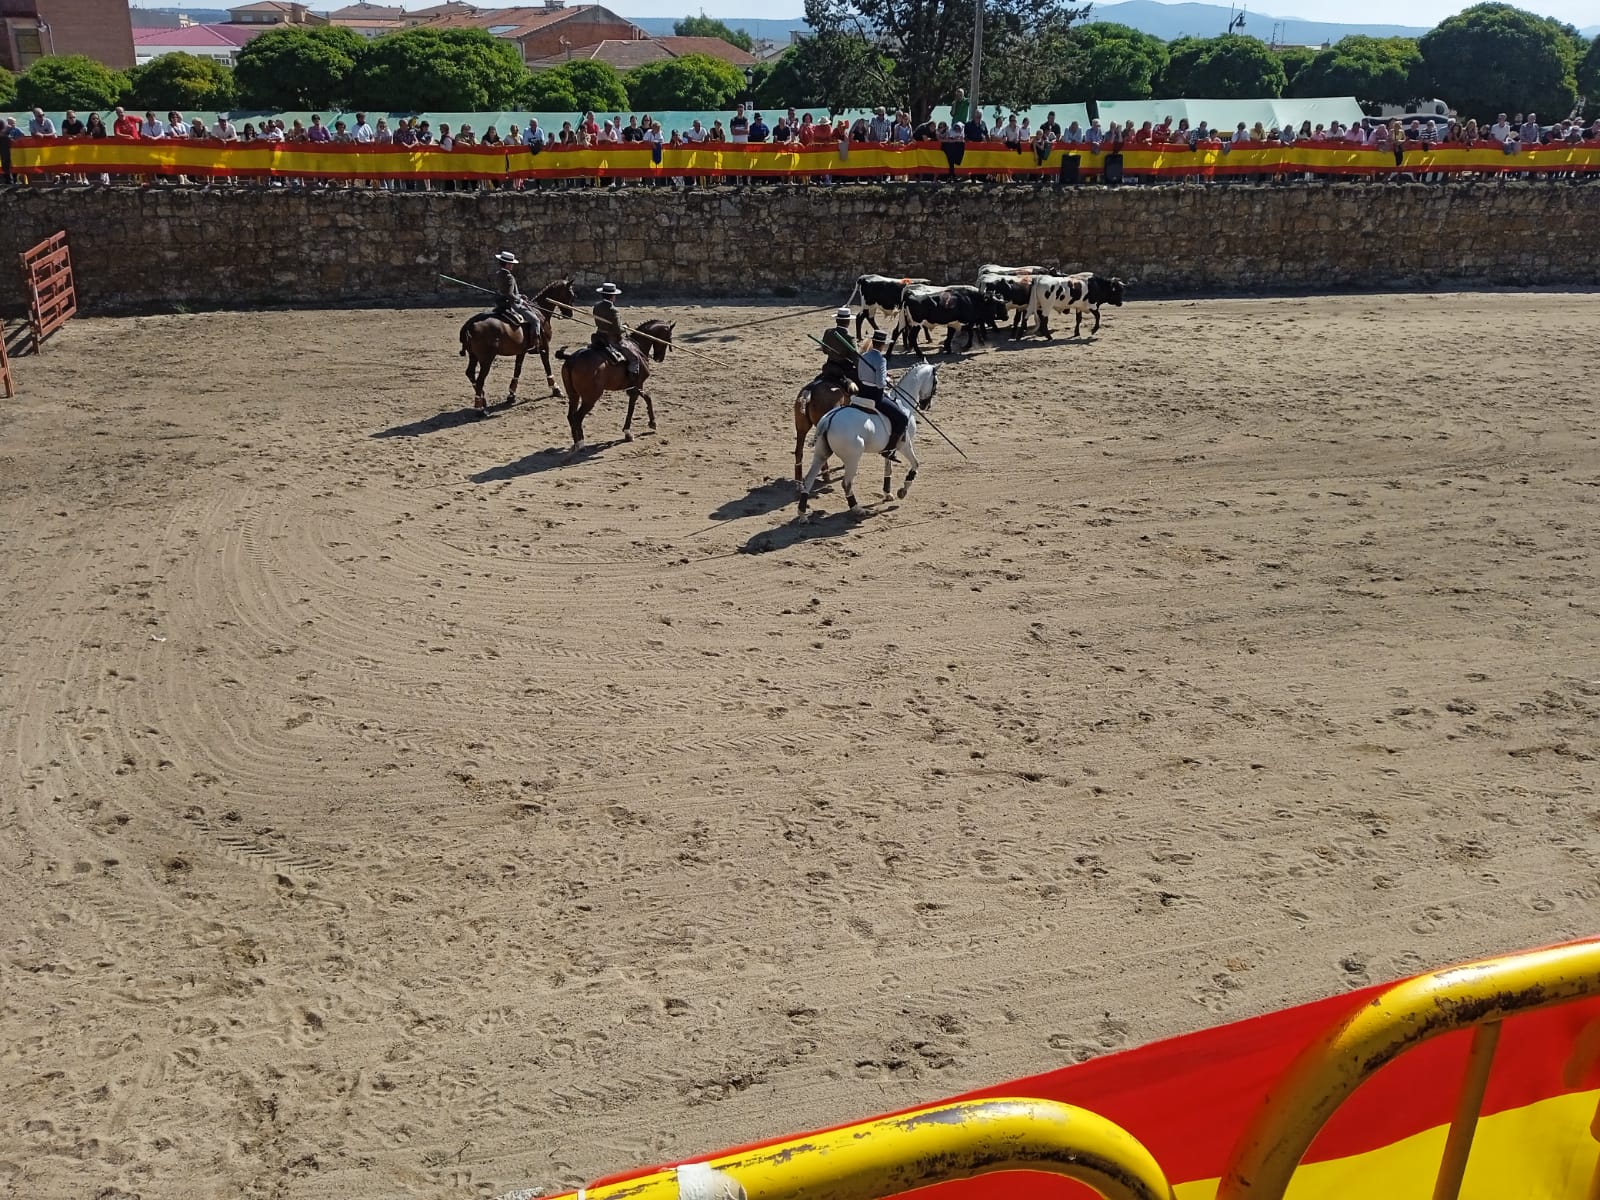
pixel 1581 13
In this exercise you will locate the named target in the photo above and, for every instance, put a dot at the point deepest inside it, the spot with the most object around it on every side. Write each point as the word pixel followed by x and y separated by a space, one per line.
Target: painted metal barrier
pixel 900 1154
pixel 52 293
pixel 1477 996
pixel 5 368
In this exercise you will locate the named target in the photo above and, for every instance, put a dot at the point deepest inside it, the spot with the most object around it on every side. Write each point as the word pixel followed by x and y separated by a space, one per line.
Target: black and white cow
pixel 962 306
pixel 879 296
pixel 1014 285
pixel 1078 294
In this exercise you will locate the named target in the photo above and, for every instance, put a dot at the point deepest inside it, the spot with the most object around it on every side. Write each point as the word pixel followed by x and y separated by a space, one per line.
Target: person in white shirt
pixel 1500 131
pixel 152 128
pixel 363 133
pixel 696 133
pixel 1011 132
pixel 225 132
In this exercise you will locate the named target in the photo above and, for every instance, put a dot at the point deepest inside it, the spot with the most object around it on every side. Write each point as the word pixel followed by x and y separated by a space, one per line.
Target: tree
pixel 1494 58
pixel 293 67
pixel 8 89
pixel 181 81
pixel 439 70
pixel 695 81
pixel 833 71
pixel 578 86
pixel 1373 70
pixel 70 81
pixel 931 42
pixel 1588 79
pixel 704 26
pixel 1294 59
pixel 1230 67
pixel 1107 61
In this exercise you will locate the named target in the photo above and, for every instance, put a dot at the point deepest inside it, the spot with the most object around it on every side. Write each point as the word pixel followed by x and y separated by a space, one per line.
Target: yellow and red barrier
pixel 302 160
pixel 1480 1081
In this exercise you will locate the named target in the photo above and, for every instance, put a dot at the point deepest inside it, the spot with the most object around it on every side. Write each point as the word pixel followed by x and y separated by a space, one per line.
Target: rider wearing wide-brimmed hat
pixel 608 331
pixel 513 304
pixel 872 372
pixel 840 366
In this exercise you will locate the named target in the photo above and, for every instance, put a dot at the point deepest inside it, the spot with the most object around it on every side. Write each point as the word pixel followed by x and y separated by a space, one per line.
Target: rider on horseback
pixel 840 368
pixel 608 333
pixel 513 305
pixel 872 370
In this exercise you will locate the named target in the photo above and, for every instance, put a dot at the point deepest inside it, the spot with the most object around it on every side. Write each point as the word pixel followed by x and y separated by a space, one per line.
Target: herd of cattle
pixel 1023 295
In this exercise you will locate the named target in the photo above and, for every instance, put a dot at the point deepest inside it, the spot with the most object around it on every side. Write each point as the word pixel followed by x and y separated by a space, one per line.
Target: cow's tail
pixel 855 296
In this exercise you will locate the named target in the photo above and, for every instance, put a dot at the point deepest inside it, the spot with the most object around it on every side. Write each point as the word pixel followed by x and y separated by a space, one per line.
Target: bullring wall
pixel 152 249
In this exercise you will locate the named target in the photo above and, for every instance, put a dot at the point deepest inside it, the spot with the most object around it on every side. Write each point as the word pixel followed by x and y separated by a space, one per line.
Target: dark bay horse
pixel 590 373
pixel 810 406
pixel 489 336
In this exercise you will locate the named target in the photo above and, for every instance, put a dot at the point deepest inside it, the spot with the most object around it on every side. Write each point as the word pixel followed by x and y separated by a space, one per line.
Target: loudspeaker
pixel 1113 170
pixel 1069 170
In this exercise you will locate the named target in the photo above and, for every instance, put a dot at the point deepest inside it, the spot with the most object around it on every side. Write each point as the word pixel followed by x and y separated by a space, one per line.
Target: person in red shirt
pixel 125 126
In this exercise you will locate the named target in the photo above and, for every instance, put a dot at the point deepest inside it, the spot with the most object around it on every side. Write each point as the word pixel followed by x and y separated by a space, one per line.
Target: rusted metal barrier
pixel 5 368
pixel 52 294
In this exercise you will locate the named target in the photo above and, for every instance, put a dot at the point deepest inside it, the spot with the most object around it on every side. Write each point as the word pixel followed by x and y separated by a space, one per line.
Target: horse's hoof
pixel 901 493
pixel 626 436
pixel 652 426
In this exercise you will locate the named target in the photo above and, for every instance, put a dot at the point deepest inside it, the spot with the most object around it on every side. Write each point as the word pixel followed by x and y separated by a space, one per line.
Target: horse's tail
pixel 562 355
pixel 466 329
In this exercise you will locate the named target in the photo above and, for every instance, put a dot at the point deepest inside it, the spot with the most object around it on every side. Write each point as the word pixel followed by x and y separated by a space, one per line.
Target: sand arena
pixel 393 810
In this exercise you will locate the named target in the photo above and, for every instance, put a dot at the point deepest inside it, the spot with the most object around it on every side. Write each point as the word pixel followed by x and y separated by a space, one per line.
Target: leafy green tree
pixel 70 81
pixel 1373 70
pixel 292 67
pixel 1107 61
pixel 832 71
pixel 578 86
pixel 1294 59
pixel 1230 67
pixel 1495 58
pixel 704 26
pixel 8 89
pixel 181 81
pixel 1588 78
pixel 931 42
pixel 694 81
pixel 439 70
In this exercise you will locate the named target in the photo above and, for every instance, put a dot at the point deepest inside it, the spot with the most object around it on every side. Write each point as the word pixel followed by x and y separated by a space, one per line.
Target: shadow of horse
pixel 450 418
pixel 815 528
pixel 541 461
pixel 759 500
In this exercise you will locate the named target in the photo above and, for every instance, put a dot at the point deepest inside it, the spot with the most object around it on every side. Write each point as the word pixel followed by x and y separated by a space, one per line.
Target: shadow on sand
pixel 450 418
pixel 810 528
pixel 541 461
pixel 759 500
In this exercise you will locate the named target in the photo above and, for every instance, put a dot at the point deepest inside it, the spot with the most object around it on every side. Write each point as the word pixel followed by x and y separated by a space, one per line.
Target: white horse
pixel 857 429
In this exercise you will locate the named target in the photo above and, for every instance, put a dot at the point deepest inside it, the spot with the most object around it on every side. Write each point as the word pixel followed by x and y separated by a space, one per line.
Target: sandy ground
pixel 390 810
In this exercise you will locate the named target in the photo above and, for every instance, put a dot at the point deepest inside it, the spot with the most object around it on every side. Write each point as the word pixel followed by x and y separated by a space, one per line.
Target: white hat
pixel 508 258
pixel 844 314
pixel 609 289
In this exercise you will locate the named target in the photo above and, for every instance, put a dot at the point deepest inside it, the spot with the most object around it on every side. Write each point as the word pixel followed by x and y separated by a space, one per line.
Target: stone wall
pixel 158 249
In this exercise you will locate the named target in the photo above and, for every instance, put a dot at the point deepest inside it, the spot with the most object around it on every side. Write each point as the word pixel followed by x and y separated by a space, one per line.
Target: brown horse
pixel 810 406
pixel 589 373
pixel 489 336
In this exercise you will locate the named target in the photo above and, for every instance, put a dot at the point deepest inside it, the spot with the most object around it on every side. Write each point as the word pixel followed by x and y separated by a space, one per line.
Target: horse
pixel 488 336
pixel 591 372
pixel 852 433
pixel 818 397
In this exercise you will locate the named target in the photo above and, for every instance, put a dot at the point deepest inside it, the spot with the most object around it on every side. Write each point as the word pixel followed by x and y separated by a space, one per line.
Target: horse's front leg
pixel 649 409
pixel 909 449
pixel 627 424
pixel 516 374
pixel 544 357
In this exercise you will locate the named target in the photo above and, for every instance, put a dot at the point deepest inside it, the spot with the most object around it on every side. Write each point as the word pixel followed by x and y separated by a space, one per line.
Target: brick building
pixel 546 31
pixel 32 29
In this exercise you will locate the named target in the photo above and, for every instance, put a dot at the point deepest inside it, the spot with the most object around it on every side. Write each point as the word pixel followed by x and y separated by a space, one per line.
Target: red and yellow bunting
pixel 203 158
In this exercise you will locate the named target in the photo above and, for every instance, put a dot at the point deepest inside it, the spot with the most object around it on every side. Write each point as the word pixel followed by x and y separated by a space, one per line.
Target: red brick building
pixel 547 30
pixel 32 29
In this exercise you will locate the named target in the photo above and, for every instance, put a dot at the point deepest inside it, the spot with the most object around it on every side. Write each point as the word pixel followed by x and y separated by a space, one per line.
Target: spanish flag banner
pixel 206 158
pixel 1191 1100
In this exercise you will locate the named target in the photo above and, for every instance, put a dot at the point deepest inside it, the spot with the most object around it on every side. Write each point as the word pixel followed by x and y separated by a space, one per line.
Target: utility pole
pixel 977 59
